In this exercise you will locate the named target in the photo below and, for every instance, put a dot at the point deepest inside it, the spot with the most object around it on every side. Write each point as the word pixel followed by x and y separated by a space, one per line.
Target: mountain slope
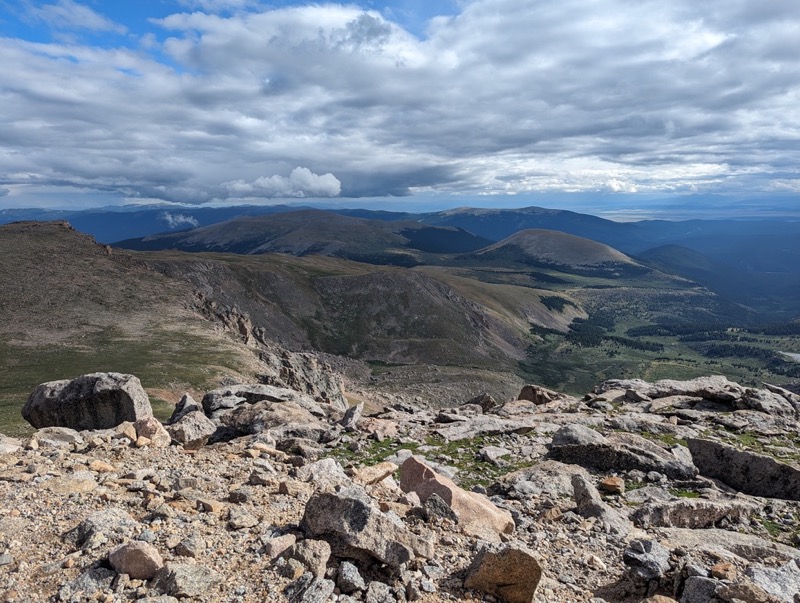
pixel 107 225
pixel 497 224
pixel 318 232
pixel 764 290
pixel 559 251
pixel 71 306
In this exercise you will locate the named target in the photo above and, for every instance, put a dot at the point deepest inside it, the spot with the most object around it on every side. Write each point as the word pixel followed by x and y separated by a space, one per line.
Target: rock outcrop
pixel 748 472
pixel 622 451
pixel 264 493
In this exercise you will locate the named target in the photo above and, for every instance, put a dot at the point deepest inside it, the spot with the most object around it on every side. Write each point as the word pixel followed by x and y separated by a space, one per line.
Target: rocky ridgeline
pixel 667 491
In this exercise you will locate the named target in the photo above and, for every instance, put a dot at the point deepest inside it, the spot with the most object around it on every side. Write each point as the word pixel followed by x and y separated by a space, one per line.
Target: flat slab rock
pixel 618 451
pixel 747 472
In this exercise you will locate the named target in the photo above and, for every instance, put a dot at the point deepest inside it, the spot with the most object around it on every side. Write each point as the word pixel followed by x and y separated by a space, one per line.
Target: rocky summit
pixel 683 491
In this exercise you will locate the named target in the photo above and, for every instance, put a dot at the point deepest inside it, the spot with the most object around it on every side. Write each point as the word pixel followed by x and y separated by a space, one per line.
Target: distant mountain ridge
pixel 762 256
pixel 319 232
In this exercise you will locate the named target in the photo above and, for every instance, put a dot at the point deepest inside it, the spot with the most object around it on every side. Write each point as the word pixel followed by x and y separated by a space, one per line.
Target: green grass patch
pixel 665 438
pixel 684 493
pixel 161 360
pixel 773 528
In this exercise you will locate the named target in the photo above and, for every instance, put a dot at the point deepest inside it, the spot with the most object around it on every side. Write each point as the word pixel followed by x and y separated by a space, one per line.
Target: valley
pixel 401 308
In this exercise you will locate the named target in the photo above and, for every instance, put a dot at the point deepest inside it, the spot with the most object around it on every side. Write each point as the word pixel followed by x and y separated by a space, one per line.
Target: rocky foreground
pixel 664 491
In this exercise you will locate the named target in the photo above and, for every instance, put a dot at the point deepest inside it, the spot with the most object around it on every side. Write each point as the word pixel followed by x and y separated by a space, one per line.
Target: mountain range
pixel 445 303
pixel 755 262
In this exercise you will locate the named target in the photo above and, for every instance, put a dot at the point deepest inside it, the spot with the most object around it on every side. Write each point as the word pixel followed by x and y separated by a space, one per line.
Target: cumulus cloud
pixel 302 182
pixel 175 221
pixel 508 96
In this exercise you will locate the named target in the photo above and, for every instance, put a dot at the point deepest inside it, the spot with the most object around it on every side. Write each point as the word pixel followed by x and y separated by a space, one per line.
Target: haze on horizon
pixel 608 106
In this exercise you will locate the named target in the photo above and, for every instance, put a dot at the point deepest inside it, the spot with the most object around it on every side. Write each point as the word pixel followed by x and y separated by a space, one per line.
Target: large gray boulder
pixel 192 430
pixel 747 472
pixel 95 401
pixel 619 452
pixel 715 387
pixel 350 517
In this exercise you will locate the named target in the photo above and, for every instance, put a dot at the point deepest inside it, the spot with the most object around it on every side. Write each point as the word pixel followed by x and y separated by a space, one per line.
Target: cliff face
pixel 683 490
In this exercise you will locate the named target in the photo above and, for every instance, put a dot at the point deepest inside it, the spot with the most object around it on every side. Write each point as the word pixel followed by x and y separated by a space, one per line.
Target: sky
pixel 414 101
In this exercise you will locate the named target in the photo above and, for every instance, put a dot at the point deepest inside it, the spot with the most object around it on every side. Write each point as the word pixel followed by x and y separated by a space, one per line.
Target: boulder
pixel 612 485
pixel 185 405
pixel 57 437
pixel 715 387
pixel 192 430
pixel 510 572
pixel 313 554
pixel 284 420
pixel 325 473
pixel 692 513
pixel 185 580
pixel 766 401
pixel 304 373
pixel 549 478
pixel 379 429
pixel 349 579
pixel 351 416
pixel 646 560
pixel 484 400
pixel 540 395
pixel 782 582
pixel 483 425
pixel 618 452
pixel 699 589
pixel 350 517
pixel 747 472
pixel 309 589
pixel 477 515
pixel 373 474
pixel 590 504
pixel 101 527
pixel 91 581
pixel 94 401
pixel 726 542
pixel 137 559
pixel 220 401
pixel 791 397
pixel 152 429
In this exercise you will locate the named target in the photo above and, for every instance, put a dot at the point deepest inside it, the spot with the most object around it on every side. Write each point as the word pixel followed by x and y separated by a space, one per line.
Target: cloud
pixel 68 14
pixel 302 182
pixel 506 97
pixel 175 221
